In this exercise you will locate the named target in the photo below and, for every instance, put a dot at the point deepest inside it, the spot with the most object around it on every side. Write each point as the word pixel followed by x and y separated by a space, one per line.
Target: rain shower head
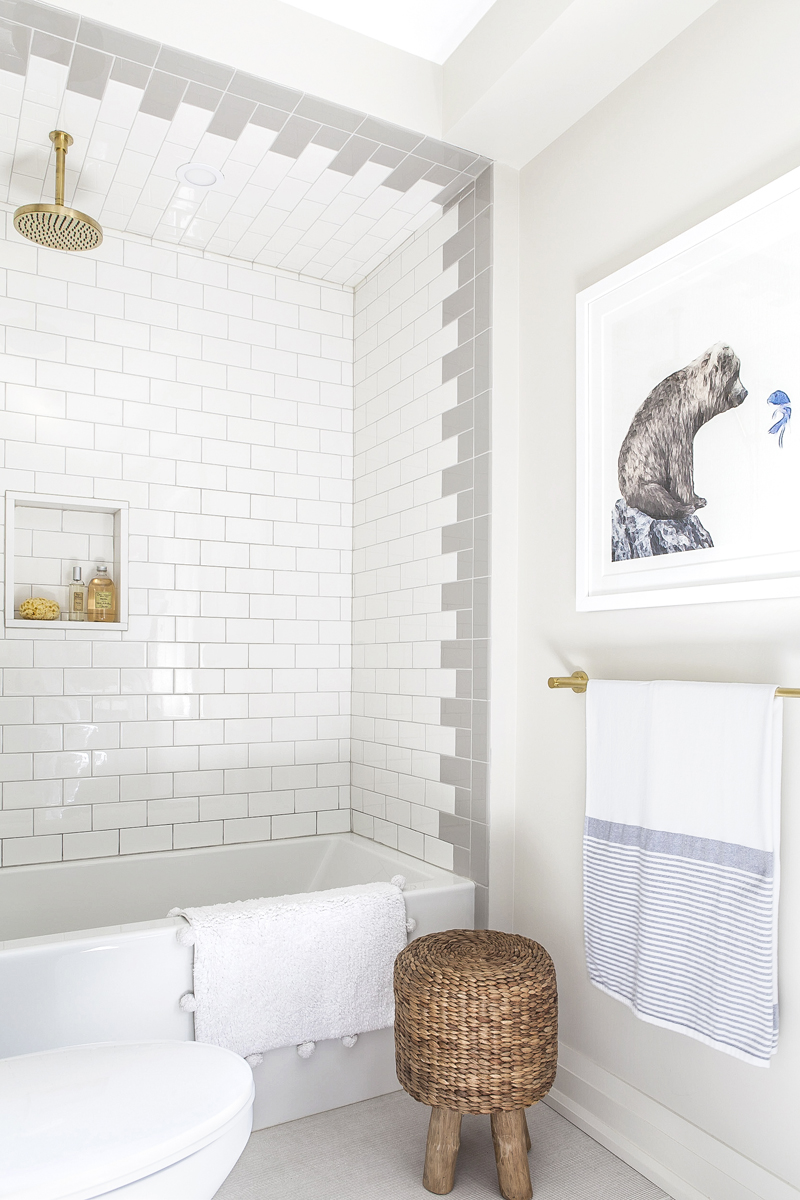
pixel 53 224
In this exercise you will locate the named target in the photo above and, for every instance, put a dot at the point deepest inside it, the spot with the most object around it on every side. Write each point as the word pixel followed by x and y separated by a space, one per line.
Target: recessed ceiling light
pixel 198 175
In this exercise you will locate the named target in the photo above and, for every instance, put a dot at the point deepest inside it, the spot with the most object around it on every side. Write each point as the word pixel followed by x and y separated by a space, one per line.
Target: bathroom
pixel 313 406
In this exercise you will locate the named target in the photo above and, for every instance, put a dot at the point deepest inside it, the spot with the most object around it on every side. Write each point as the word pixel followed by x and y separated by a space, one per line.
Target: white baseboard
pixel 682 1159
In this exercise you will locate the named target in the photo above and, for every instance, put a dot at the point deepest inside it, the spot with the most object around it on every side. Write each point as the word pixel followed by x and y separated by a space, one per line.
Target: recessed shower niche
pixel 46 536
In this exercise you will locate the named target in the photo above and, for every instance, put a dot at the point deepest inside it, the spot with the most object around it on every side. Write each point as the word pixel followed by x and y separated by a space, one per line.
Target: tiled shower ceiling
pixel 307 185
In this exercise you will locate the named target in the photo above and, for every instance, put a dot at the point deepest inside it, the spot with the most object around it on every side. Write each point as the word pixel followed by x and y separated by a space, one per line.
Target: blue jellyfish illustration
pixel 784 404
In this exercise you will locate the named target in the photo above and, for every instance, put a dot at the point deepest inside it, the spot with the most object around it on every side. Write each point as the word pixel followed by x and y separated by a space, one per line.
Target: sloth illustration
pixel 656 461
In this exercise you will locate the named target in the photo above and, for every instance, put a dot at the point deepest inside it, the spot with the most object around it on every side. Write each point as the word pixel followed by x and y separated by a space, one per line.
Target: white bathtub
pixel 87 955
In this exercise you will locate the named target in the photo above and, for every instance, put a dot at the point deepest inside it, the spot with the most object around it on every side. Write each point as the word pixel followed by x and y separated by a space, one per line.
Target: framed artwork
pixel 688 462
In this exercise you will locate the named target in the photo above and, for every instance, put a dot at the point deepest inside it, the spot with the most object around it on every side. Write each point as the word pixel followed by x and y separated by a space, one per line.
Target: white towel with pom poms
pixel 297 969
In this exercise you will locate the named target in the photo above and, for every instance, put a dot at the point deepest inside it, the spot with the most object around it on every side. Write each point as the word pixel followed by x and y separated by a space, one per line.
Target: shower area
pixel 264 400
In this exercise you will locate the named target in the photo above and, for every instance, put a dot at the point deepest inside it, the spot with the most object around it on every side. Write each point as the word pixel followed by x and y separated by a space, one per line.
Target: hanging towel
pixel 681 857
pixel 294 970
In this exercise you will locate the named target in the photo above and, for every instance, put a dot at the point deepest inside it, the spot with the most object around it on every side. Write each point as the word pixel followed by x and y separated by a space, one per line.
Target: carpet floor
pixel 375 1149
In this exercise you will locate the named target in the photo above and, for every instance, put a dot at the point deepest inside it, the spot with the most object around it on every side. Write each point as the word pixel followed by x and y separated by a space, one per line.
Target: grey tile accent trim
pixel 478 167
pixel 457 537
pixel 456 420
pixel 483 423
pixel 452 828
pixel 484 188
pixel 466 268
pixel 45 45
pixel 445 155
pixel 263 92
pixel 231 117
pixel 456 362
pixel 459 302
pixel 456 595
pixel 40 16
pixel 329 114
pixel 131 73
pixel 387 156
pixel 466 386
pixel 352 157
pixel 390 135
pixel 294 137
pixel 483 300
pixel 466 327
pixel 466 208
pixel 457 655
pixel 200 96
pixel 458 245
pixel 455 712
pixel 453 192
pixel 441 176
pixel 89 72
pixel 406 175
pixel 483 361
pixel 114 41
pixel 199 70
pixel 269 118
pixel 162 95
pixel 15 46
pixel 332 139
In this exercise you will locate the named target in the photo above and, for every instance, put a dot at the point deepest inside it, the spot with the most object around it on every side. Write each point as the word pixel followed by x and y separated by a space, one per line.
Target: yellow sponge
pixel 39 609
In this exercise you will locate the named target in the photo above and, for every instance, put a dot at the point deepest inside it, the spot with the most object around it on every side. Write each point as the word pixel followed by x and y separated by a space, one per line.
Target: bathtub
pixel 87 955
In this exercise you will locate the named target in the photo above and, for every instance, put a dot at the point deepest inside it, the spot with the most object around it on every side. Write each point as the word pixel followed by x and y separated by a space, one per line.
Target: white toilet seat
pixel 149 1120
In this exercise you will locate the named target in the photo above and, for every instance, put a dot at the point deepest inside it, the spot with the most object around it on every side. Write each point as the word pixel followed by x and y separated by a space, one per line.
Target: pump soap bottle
pixel 77 597
pixel 102 597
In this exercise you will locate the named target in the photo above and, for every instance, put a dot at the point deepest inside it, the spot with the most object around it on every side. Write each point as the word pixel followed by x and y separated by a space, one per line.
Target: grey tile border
pixel 268 118
pixel 263 92
pixel 115 42
pixel 231 117
pixel 89 72
pixel 389 135
pixel 294 137
pixel 353 155
pixel 198 70
pixel 41 16
pixel 332 139
pixel 387 156
pixel 131 73
pixel 162 95
pixel 406 175
pixel 200 96
pixel 18 38
pixel 325 113
pixel 56 49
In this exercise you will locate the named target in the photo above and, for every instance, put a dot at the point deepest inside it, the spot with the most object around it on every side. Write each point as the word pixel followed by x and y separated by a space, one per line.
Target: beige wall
pixel 714 116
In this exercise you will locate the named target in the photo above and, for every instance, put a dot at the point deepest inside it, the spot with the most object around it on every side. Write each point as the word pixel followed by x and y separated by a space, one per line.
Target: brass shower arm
pixel 62 141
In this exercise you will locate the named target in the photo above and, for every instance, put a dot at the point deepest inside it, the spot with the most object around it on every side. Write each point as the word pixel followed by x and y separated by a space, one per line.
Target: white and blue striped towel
pixel 681 857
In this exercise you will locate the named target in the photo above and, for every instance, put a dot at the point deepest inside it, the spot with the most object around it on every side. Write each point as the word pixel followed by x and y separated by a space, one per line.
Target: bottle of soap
pixel 102 605
pixel 77 597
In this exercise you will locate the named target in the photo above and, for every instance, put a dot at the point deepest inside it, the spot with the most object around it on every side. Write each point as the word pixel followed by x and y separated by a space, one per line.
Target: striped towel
pixel 681 857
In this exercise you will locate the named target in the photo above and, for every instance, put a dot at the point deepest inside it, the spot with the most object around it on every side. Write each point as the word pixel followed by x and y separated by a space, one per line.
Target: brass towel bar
pixel 579 679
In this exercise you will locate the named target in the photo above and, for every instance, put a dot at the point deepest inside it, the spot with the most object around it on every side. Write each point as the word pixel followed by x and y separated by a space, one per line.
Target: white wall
pixel 216 398
pixel 712 117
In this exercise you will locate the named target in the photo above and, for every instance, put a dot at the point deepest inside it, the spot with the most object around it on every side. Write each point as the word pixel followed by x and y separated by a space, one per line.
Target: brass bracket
pixel 577 681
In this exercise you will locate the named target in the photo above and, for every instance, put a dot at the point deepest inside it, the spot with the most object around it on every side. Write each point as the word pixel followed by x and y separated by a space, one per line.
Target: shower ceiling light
pixel 54 224
pixel 199 175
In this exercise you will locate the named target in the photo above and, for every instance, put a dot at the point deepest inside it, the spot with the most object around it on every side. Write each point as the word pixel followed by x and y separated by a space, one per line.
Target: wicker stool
pixel 476 1032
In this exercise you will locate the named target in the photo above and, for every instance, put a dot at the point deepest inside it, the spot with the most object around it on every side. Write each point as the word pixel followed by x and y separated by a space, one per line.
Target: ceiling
pixel 429 28
pixel 307 185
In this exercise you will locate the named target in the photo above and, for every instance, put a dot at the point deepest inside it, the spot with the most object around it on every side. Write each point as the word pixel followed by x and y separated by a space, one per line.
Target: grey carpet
pixel 375 1149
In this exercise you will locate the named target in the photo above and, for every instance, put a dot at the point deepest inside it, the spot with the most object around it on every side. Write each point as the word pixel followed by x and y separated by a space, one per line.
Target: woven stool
pixel 476 1024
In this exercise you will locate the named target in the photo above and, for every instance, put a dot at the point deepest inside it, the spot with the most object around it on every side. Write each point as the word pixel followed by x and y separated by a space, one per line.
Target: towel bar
pixel 579 679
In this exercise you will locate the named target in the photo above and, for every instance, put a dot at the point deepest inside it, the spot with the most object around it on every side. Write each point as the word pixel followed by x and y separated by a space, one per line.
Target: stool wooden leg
pixel 508 1134
pixel 444 1138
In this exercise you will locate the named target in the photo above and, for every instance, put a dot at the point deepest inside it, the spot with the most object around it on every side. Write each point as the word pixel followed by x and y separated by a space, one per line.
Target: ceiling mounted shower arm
pixel 62 141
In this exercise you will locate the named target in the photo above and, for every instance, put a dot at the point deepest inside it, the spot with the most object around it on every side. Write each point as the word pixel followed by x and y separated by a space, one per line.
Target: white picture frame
pixel 733 279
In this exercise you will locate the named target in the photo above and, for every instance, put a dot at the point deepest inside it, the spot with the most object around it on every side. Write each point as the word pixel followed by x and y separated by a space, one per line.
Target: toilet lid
pixel 79 1121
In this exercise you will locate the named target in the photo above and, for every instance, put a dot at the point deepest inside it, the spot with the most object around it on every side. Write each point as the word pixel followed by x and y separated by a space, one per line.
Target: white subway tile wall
pixel 421 543
pixel 216 398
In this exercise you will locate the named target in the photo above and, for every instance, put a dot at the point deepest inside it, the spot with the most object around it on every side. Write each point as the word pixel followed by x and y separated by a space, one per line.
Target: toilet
pixel 132 1120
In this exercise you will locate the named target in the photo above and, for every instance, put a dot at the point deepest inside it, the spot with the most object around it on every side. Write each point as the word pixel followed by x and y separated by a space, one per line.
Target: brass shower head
pixel 53 224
